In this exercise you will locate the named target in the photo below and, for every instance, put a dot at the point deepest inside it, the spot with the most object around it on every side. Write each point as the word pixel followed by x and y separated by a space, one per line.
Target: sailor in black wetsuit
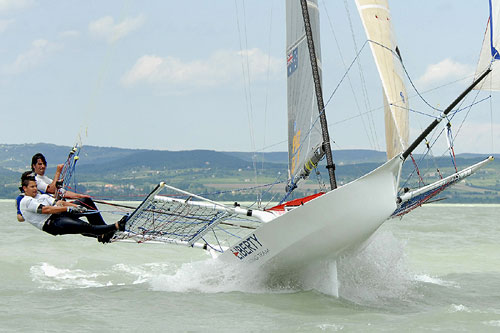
pixel 60 217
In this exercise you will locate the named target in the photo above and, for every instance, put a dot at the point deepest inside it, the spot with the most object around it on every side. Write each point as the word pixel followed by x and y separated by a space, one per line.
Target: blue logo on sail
pixel 292 61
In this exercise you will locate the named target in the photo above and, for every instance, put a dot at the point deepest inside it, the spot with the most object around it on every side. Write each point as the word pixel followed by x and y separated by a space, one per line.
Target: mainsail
pixel 377 22
pixel 490 50
pixel 304 128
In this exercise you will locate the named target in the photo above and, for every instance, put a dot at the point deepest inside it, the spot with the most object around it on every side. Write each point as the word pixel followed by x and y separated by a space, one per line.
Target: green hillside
pixel 128 174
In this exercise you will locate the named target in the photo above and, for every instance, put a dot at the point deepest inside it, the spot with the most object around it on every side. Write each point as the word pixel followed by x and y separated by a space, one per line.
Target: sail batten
pixel 300 40
pixel 376 19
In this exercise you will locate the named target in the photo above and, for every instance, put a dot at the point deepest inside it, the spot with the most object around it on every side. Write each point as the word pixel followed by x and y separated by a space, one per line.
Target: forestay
pixel 377 23
pixel 190 222
pixel 490 50
pixel 304 128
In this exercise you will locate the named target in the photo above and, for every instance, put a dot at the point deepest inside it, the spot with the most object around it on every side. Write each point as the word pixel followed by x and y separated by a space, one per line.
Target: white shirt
pixel 42 182
pixel 29 207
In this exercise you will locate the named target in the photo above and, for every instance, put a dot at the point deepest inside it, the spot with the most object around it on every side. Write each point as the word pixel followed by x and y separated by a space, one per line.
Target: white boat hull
pixel 323 227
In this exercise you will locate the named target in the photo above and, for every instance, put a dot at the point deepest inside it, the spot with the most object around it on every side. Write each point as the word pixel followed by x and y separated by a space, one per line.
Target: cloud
pixel 105 27
pixel 446 70
pixel 69 34
pixel 8 5
pixel 38 52
pixel 478 138
pixel 220 68
pixel 4 24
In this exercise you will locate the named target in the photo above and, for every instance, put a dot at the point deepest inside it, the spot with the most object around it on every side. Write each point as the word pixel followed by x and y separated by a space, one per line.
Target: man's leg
pixel 93 218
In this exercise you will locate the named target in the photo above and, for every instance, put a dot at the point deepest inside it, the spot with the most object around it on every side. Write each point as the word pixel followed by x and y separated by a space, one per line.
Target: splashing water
pixel 53 278
pixel 211 276
pixel 378 271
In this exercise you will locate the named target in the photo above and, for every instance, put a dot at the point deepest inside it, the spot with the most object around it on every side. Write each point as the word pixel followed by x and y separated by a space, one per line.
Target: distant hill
pixel 18 157
pixel 161 160
pixel 348 156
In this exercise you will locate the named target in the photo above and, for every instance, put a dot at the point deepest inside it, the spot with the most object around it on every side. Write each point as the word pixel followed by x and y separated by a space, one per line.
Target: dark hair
pixel 30 175
pixel 27 180
pixel 35 158
pixel 27 174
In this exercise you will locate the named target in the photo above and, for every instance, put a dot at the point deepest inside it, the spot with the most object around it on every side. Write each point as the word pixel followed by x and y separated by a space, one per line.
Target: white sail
pixel 377 23
pixel 304 129
pixel 490 50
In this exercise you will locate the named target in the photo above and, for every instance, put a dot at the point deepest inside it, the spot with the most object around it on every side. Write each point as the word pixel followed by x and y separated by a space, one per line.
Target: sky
pixel 201 74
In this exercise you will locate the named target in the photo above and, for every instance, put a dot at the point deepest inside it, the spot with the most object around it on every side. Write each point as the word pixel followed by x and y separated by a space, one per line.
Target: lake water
pixel 437 269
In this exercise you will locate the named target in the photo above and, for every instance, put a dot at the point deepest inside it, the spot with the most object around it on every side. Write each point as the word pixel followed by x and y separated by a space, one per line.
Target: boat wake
pixel 378 272
pixel 376 275
pixel 50 277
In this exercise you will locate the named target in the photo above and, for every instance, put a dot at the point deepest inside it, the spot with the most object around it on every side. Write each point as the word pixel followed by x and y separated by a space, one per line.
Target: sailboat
pixel 324 225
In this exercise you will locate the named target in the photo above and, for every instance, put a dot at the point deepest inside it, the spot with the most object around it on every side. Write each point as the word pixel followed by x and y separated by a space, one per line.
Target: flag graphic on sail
pixel 304 128
pixel 377 23
pixel 490 50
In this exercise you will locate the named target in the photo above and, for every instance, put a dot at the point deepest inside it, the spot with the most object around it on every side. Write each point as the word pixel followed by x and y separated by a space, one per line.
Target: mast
pixel 319 96
pixel 436 121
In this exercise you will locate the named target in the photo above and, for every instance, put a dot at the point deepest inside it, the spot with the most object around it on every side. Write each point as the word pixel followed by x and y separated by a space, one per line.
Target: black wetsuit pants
pixel 95 218
pixel 62 224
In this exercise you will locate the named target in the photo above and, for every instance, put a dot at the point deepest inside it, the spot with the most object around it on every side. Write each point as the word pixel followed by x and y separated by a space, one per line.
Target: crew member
pixel 52 186
pixel 59 217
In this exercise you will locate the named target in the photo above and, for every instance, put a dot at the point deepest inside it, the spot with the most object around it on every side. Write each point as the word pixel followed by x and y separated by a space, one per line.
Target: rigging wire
pixel 269 187
pixel 469 109
pixel 69 172
pixel 433 108
pixel 249 101
pixel 399 106
pixel 370 111
pixel 268 79
pixel 244 53
pixel 438 135
pixel 412 110
pixel 491 126
pixel 490 80
pixel 362 78
pixel 345 74
pixel 268 75
pixel 373 141
pixel 417 91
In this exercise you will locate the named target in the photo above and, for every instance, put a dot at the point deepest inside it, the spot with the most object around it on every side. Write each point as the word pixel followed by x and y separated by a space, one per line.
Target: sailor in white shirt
pixel 53 186
pixel 44 183
pixel 59 217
